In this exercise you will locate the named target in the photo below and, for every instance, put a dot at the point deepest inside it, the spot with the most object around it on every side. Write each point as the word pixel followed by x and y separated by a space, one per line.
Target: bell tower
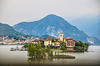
pixel 61 35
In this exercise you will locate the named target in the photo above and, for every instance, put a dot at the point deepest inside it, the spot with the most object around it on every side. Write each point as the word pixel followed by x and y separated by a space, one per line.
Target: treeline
pixel 38 51
pixel 42 51
pixel 81 46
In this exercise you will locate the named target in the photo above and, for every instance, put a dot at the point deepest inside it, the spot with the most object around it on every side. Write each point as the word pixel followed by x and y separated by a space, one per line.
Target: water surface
pixel 8 57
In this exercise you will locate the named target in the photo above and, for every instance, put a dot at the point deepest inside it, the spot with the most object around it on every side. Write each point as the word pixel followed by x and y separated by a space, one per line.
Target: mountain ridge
pixel 6 30
pixel 51 25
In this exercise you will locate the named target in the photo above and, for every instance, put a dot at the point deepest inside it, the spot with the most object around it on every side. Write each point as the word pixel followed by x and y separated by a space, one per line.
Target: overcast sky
pixel 15 11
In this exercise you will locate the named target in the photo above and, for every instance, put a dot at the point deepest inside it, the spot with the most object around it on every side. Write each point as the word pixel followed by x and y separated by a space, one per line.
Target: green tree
pixel 43 51
pixel 62 45
pixel 42 45
pixel 76 47
pixel 39 46
pixel 77 44
pixel 63 48
pixel 32 50
pixel 25 46
pixel 38 53
pixel 86 46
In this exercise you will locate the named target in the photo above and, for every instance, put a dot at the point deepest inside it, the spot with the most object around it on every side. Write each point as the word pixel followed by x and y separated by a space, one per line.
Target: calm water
pixel 8 57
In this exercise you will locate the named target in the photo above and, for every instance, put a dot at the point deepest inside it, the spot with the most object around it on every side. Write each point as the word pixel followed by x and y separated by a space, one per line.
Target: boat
pixel 12 49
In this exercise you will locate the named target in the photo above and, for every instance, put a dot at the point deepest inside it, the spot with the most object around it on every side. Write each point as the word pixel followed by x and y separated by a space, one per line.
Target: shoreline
pixel 12 44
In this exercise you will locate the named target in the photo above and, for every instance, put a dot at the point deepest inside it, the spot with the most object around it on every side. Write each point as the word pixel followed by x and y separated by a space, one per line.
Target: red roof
pixel 68 38
pixel 48 39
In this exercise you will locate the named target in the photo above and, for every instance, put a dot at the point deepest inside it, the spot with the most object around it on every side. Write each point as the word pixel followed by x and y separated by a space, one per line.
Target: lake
pixel 10 58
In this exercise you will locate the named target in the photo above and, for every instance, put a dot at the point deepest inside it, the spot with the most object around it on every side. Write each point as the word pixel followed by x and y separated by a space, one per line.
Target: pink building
pixel 70 43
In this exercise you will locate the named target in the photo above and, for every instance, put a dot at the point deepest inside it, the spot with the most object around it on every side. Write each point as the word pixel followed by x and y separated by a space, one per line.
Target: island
pixel 53 48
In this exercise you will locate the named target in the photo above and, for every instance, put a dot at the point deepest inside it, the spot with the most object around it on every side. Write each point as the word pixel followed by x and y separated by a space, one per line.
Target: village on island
pixel 70 43
pixel 54 48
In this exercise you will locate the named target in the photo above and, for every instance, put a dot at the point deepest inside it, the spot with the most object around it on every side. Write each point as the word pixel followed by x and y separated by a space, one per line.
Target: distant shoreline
pixel 95 45
pixel 11 44
pixel 24 44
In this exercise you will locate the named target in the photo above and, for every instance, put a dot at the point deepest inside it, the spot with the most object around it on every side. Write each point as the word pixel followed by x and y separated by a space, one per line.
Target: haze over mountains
pixel 51 25
pixel 89 24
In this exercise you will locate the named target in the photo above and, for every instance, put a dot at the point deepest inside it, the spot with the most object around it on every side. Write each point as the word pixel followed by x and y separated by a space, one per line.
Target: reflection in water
pixel 43 60
pixel 10 58
pixel 38 60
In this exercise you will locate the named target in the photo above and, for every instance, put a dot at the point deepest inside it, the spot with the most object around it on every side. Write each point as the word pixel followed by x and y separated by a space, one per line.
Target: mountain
pixel 45 36
pixel 97 34
pixel 6 30
pixel 90 22
pixel 93 40
pixel 51 25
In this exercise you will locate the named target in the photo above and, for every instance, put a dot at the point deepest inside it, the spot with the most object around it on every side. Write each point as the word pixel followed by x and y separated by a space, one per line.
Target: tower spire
pixel 61 31
pixel 61 35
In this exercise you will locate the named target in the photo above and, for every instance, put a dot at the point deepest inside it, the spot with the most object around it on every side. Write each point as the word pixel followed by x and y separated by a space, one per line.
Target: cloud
pixel 15 11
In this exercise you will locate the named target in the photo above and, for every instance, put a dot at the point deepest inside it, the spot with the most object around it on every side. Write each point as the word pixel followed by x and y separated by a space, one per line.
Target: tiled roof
pixel 48 39
pixel 68 38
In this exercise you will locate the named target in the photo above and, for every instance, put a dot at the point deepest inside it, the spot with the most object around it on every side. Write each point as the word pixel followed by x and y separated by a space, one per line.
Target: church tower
pixel 61 35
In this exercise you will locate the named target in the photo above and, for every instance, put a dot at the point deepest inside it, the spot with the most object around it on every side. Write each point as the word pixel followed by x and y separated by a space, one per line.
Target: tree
pixel 77 44
pixel 86 46
pixel 62 45
pixel 42 45
pixel 52 40
pixel 81 46
pixel 32 50
pixel 39 46
pixel 43 51
pixel 38 53
pixel 63 48
pixel 25 46
pixel 76 48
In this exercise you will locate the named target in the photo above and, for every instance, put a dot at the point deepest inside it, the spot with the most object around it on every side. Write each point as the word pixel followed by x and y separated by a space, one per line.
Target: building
pixel 48 41
pixel 39 41
pixel 56 42
pixel 70 43
pixel 61 35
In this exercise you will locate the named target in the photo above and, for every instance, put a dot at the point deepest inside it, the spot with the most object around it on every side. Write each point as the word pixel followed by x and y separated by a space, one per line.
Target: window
pixel 68 43
pixel 48 44
pixel 72 43
pixel 49 41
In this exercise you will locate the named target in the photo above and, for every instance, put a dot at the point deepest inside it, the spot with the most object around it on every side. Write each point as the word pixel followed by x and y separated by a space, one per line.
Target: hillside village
pixel 6 40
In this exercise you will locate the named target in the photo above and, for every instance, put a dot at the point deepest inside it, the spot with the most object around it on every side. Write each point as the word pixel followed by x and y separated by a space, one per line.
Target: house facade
pixel 56 42
pixel 70 43
pixel 48 41
pixel 39 41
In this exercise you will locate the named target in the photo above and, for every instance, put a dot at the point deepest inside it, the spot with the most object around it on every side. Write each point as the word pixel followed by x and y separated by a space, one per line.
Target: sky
pixel 16 11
